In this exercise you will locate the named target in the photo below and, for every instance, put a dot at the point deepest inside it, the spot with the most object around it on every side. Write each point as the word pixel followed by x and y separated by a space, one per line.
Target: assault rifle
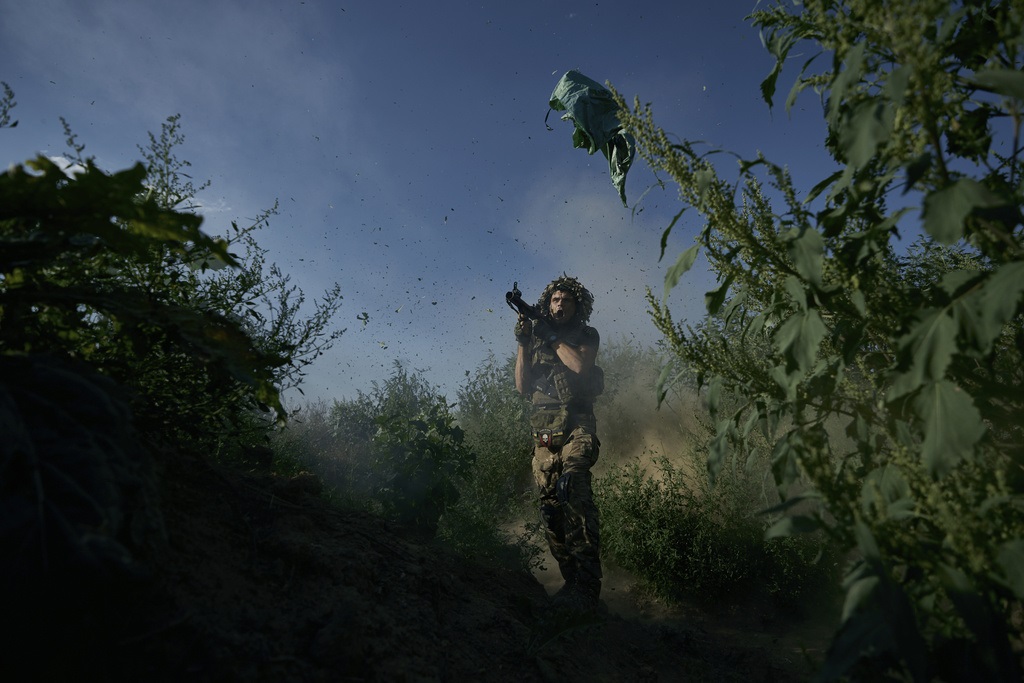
pixel 515 301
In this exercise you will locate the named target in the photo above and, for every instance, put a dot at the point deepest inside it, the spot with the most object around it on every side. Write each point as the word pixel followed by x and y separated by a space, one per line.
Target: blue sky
pixel 406 145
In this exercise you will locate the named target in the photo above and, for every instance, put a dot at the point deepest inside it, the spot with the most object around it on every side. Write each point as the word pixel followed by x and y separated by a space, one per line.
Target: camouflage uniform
pixel 566 447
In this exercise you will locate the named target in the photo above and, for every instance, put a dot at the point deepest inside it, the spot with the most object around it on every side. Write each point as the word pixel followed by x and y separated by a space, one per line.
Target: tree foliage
pixel 114 270
pixel 823 315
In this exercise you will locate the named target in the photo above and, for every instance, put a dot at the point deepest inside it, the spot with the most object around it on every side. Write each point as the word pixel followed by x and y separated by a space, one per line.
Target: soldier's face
pixel 563 306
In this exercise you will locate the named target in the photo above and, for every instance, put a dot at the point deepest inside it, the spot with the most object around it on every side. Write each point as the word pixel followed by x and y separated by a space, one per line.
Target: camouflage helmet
pixel 584 299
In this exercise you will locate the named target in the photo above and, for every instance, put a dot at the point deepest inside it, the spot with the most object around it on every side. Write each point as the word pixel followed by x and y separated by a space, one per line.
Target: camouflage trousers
pixel 568 513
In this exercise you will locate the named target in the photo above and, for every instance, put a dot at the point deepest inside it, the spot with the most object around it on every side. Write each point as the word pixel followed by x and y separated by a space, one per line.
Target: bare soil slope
pixel 261 579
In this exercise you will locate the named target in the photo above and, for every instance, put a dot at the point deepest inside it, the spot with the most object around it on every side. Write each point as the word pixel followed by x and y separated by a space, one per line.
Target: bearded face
pixel 570 287
pixel 562 307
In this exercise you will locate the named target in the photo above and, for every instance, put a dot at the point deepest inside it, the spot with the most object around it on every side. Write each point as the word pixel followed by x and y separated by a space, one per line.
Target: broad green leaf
pixel 859 593
pixel 807 249
pixel 853 61
pixel 820 187
pixel 799 337
pixel 1011 561
pixel 887 487
pixel 716 297
pixel 866 542
pixel 858 301
pixel 946 209
pixel 985 312
pixel 868 126
pixel 1008 82
pixel 795 288
pixel 735 305
pixel 790 526
pixel 916 169
pixel 799 84
pixel 682 265
pixel 778 44
pixel 784 462
pixel 896 85
pixel 928 347
pixel 952 426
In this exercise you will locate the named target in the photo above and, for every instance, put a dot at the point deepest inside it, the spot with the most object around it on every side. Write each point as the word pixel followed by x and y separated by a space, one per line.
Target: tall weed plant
pixel 823 313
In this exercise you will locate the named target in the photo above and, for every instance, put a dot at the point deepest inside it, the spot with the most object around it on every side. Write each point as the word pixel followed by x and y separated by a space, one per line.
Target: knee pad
pixel 563 488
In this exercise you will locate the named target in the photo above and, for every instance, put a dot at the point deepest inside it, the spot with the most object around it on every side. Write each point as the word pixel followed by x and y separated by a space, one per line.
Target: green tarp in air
pixel 593 112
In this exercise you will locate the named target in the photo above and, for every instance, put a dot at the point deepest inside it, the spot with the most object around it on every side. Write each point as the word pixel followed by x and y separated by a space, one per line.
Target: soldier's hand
pixel 523 330
pixel 544 331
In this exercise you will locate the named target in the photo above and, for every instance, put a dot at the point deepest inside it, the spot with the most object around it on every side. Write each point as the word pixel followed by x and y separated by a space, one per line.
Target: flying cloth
pixel 593 112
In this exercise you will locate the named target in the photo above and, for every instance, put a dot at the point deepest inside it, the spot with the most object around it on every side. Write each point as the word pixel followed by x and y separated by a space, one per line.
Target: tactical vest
pixel 562 400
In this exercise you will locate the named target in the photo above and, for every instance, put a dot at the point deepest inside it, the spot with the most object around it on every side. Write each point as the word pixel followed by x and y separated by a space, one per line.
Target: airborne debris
pixel 595 115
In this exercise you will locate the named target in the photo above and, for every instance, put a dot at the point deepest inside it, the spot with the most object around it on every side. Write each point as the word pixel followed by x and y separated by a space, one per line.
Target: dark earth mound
pixel 262 579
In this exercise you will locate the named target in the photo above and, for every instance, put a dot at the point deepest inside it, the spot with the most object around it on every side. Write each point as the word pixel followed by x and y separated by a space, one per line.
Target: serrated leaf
pixel 682 265
pixel 807 249
pixel 778 44
pixel 988 309
pixel 868 126
pixel 799 337
pixel 795 288
pixel 946 209
pixel 929 345
pixel 951 426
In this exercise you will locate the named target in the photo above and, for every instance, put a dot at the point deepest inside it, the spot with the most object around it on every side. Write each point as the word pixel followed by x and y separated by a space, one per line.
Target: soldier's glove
pixel 544 331
pixel 523 330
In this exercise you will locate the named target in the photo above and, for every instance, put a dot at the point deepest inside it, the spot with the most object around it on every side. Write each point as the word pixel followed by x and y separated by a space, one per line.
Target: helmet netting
pixel 584 299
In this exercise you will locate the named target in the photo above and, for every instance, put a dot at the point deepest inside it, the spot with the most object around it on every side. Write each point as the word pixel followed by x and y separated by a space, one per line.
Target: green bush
pixel 687 541
pixel 396 450
pixel 499 493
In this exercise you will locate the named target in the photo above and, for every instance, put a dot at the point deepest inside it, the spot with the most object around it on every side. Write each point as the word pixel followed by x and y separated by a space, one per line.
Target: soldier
pixel 555 368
